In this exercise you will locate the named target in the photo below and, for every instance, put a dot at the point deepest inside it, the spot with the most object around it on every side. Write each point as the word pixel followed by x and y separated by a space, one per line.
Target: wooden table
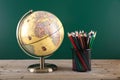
pixel 101 70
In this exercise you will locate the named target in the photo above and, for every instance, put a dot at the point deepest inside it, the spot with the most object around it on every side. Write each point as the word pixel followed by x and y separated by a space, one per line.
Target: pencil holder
pixel 81 60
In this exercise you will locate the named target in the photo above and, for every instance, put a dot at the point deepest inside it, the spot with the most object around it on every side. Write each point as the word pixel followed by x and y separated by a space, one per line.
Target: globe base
pixel 35 68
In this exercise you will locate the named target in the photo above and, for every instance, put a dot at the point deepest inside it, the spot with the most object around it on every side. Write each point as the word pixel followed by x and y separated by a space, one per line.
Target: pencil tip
pixel 69 34
pixel 95 34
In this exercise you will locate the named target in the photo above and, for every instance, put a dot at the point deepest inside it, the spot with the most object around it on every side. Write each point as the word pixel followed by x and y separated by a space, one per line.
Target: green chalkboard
pixel 102 16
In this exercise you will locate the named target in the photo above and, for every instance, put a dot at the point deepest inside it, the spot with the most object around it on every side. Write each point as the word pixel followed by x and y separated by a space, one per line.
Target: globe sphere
pixel 39 33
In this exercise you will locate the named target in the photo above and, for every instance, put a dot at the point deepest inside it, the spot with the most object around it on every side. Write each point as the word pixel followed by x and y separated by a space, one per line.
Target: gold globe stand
pixel 42 67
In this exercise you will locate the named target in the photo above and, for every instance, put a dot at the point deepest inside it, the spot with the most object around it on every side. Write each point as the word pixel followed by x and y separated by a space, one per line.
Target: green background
pixel 102 16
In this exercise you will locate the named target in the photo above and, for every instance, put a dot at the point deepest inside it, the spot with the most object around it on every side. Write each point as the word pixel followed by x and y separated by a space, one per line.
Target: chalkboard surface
pixel 102 16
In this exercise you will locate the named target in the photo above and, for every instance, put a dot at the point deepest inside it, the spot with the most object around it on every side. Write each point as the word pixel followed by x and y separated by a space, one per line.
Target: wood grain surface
pixel 101 70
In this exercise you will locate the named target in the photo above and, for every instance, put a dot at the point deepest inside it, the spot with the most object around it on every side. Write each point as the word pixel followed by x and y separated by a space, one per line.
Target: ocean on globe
pixel 39 33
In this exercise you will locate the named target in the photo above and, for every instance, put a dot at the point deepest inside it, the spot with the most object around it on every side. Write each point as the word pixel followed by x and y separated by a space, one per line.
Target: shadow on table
pixel 60 68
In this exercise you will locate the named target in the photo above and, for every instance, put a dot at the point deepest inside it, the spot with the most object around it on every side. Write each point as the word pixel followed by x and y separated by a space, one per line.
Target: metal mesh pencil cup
pixel 81 60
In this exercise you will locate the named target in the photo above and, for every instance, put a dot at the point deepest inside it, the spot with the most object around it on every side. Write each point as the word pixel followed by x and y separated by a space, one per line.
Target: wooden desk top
pixel 101 70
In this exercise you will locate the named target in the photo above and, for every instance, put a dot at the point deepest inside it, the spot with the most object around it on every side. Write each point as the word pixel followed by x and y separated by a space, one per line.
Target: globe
pixel 39 33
